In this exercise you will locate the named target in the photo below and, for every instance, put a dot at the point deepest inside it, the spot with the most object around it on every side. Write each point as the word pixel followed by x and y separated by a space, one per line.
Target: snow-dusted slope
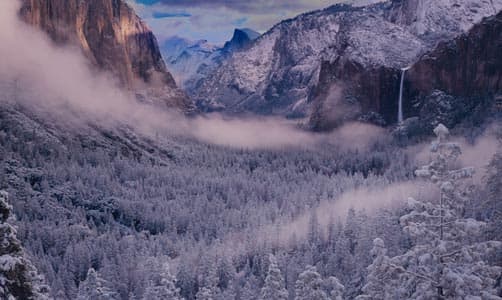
pixel 278 72
pixel 184 57
pixel 190 61
pixel 433 19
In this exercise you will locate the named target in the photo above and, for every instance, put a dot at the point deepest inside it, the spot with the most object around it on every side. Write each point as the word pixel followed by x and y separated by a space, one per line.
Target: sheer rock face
pixel 113 38
pixel 448 82
pixel 241 39
pixel 467 67
pixel 293 68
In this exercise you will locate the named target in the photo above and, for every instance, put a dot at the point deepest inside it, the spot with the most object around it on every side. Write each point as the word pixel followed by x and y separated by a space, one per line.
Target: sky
pixel 215 20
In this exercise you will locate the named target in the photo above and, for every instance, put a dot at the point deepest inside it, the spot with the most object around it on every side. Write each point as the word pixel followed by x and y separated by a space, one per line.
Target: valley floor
pixel 124 204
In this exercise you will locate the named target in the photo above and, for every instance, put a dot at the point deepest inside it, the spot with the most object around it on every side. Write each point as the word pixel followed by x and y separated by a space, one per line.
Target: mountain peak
pixel 279 72
pixel 253 35
pixel 241 38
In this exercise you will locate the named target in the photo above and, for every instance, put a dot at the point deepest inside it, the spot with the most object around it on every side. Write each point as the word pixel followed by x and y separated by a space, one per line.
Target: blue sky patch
pixel 162 15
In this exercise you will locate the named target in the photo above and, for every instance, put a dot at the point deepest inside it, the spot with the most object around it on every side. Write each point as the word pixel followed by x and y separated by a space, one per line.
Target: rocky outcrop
pixel 465 67
pixel 460 79
pixel 271 75
pixel 114 39
pixel 191 61
pixel 185 58
pixel 345 86
pixel 293 69
pixel 241 38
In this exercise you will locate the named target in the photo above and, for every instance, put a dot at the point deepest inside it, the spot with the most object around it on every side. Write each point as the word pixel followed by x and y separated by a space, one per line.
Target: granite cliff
pixel 114 39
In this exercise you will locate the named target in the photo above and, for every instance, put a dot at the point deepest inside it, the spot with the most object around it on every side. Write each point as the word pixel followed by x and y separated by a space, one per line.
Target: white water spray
pixel 400 109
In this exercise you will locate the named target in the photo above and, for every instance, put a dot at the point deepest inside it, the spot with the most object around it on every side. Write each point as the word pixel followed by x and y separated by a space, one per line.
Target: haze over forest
pixel 259 150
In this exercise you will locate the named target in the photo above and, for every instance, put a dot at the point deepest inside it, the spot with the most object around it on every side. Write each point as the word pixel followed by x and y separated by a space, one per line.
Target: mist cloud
pixel 369 199
pixel 477 154
pixel 61 81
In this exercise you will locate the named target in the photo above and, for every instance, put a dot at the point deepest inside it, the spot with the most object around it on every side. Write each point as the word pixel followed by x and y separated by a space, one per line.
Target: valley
pixel 352 152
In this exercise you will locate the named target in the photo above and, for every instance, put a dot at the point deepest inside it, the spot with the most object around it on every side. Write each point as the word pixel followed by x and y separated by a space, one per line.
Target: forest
pixel 114 190
pixel 111 214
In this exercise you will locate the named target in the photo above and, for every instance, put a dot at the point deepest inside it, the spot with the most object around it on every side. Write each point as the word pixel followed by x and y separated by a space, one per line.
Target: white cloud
pixel 216 21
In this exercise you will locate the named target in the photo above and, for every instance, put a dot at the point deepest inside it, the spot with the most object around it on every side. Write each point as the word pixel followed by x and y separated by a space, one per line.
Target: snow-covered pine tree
pixel 95 288
pixel 336 288
pixel 493 206
pixel 309 285
pixel 378 279
pixel 18 277
pixel 60 296
pixel 314 239
pixel 208 289
pixel 186 281
pixel 204 293
pixel 447 260
pixel 494 187
pixel 274 282
pixel 164 287
pixel 248 291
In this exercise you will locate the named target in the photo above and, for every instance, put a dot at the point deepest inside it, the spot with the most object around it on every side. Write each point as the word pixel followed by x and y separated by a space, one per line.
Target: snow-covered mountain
pixel 190 61
pixel 184 57
pixel 278 73
pixel 241 38
pixel 465 71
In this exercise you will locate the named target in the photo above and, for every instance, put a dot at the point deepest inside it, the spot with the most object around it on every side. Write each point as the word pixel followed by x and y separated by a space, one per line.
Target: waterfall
pixel 400 109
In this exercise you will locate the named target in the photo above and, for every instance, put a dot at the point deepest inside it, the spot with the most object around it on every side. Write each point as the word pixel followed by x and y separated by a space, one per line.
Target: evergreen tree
pixel 493 207
pixel 208 281
pixel 204 293
pixel 314 237
pixel 333 260
pixel 18 277
pixel 248 292
pixel 448 260
pixel 60 296
pixel 494 187
pixel 336 288
pixel 274 282
pixel 364 237
pixel 95 288
pixel 186 281
pixel 224 273
pixel 309 285
pixel 352 230
pixel 377 281
pixel 163 287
